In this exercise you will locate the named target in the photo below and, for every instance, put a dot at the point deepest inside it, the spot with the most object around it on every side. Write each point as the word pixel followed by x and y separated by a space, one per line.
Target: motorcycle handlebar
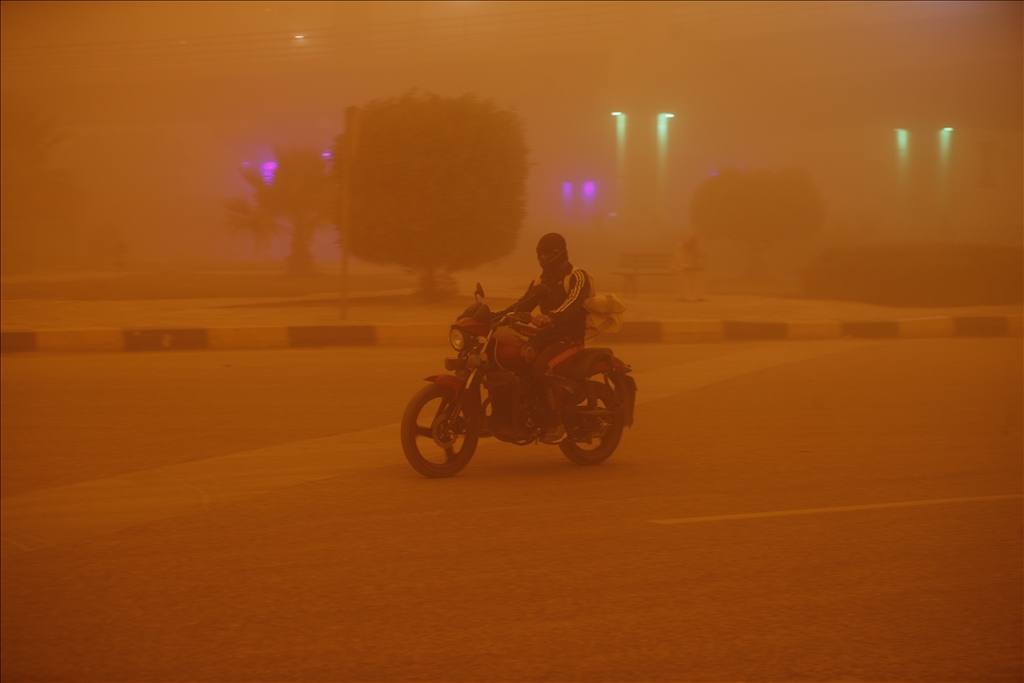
pixel 510 318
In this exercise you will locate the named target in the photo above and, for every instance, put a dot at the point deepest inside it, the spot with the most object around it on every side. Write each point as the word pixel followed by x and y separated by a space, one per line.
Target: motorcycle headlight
pixel 457 339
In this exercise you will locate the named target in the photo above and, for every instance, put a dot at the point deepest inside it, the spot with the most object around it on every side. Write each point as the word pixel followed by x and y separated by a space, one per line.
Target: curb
pixel 435 334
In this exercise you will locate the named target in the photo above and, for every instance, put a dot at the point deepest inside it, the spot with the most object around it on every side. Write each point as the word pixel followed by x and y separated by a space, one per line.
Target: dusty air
pixel 542 341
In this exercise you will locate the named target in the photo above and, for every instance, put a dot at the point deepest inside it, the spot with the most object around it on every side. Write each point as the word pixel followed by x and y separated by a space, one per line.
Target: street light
pixel 663 165
pixel 945 138
pixel 902 153
pixel 620 140
pixel 663 144
pixel 620 156
pixel 663 134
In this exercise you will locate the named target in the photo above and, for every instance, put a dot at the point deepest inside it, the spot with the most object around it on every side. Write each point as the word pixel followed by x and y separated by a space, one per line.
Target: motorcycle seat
pixel 577 367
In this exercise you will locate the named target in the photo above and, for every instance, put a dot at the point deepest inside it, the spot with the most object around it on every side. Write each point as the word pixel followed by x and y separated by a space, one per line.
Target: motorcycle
pixel 493 392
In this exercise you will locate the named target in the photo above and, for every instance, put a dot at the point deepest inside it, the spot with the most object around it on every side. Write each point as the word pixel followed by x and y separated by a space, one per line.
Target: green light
pixel 663 133
pixel 902 155
pixel 620 138
pixel 902 139
pixel 662 129
pixel 944 139
pixel 663 147
pixel 620 152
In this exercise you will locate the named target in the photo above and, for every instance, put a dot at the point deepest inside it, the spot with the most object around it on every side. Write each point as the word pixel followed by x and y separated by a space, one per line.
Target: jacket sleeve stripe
pixel 574 291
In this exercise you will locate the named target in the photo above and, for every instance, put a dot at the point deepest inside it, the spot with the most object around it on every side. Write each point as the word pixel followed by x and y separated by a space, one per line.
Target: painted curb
pixel 436 334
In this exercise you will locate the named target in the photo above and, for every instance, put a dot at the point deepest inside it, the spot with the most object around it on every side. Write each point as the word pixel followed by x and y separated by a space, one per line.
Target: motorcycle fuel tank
pixel 512 352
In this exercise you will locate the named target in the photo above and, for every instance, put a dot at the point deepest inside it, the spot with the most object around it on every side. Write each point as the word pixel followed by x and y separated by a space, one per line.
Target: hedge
pixel 918 275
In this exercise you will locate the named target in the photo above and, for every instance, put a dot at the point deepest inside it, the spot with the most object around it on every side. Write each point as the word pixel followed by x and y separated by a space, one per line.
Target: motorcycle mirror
pixel 479 293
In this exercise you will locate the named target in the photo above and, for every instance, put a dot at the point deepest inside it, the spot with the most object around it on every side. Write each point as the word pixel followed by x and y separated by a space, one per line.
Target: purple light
pixel 714 173
pixel 589 189
pixel 326 155
pixel 268 171
pixel 566 200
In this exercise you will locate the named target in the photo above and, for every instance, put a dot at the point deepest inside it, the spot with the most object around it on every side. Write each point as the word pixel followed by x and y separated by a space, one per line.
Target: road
pixel 780 511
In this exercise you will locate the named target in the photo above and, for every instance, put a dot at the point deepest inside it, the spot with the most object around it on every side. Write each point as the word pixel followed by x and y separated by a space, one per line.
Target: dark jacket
pixel 563 305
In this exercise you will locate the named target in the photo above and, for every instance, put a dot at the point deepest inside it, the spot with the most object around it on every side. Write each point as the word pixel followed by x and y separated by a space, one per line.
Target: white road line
pixel 47 517
pixel 843 508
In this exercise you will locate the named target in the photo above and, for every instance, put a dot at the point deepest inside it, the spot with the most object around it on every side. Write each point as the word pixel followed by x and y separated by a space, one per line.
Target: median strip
pixel 430 334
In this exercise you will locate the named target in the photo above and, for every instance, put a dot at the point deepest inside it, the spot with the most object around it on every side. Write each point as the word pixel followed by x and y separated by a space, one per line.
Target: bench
pixel 632 265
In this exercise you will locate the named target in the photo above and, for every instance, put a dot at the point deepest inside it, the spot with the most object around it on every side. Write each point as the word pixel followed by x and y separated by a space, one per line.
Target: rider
pixel 562 321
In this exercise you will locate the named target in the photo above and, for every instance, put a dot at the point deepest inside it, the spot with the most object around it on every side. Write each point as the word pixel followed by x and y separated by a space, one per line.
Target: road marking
pixel 47 517
pixel 843 508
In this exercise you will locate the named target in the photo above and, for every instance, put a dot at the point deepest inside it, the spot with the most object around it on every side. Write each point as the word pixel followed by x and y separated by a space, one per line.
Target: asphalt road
pixel 902 458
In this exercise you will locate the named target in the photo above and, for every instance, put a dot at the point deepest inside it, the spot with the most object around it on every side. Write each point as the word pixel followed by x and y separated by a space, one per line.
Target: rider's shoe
pixel 553 434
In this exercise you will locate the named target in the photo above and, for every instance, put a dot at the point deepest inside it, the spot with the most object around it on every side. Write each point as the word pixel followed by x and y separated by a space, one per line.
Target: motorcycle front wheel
pixel 435 442
pixel 592 439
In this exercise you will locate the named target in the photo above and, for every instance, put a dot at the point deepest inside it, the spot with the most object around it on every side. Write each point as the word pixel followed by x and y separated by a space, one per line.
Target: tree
pixel 438 184
pixel 299 193
pixel 758 207
pixel 40 204
pixel 248 218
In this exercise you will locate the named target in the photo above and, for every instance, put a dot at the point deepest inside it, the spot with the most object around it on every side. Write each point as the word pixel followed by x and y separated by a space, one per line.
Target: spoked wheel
pixel 592 439
pixel 437 443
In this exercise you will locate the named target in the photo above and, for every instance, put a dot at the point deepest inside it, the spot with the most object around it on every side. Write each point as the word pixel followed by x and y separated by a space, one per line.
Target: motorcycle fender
pixel 447 381
pixel 625 388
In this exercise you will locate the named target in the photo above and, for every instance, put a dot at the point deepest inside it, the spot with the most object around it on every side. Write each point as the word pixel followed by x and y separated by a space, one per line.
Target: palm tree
pixel 243 217
pixel 297 198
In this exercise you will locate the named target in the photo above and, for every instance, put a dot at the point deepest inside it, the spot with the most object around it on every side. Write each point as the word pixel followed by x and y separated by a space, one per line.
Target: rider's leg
pixel 554 430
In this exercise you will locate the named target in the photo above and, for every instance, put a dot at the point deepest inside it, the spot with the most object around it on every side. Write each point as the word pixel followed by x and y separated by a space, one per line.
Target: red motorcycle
pixel 493 392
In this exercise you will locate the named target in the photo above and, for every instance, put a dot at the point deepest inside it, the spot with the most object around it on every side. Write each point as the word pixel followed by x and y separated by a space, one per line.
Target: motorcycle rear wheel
pixel 605 430
pixel 436 444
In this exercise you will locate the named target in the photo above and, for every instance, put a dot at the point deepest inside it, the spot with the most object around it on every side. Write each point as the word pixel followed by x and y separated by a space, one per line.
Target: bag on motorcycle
pixel 604 311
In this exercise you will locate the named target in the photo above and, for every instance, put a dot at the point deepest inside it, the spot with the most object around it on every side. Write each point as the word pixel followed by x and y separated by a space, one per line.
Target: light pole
pixel 663 144
pixel 945 138
pixel 902 153
pixel 663 165
pixel 620 159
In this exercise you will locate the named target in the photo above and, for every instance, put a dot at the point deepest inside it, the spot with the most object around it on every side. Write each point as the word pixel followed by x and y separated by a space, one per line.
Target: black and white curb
pixel 430 334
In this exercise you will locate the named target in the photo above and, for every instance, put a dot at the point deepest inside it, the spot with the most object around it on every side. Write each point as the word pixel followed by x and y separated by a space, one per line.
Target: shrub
pixel 918 275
